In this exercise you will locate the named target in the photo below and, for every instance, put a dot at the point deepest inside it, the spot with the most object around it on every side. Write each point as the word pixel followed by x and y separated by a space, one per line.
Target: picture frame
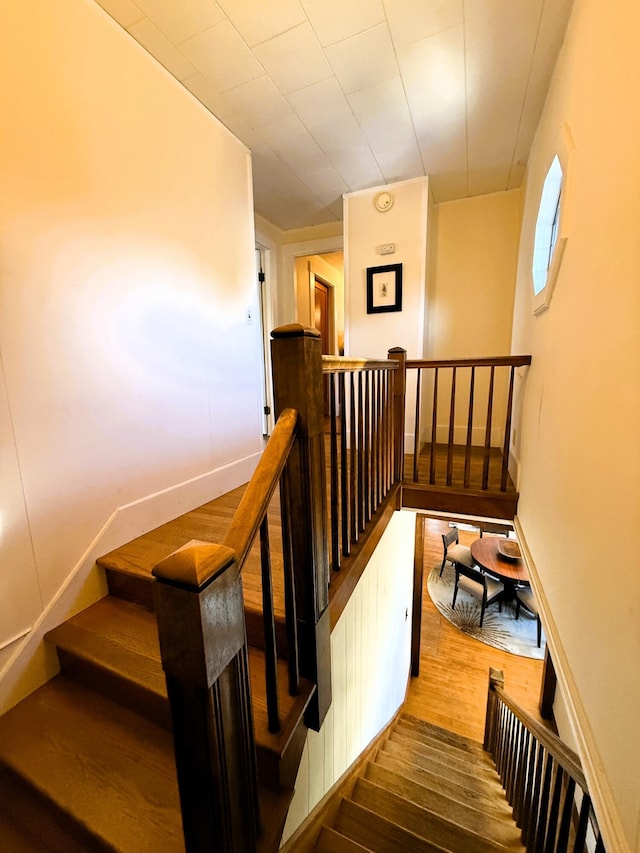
pixel 384 289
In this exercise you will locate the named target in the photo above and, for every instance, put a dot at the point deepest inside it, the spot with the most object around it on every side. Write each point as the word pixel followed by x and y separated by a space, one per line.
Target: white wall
pixel 471 302
pixel 127 268
pixel 370 657
pixel 580 478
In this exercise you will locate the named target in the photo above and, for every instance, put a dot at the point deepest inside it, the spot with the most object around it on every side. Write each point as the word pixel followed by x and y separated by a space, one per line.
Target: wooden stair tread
pixel 438 774
pixel 431 730
pixel 330 841
pixel 377 833
pixel 488 825
pixel 477 763
pixel 444 827
pixel 441 762
pixel 475 752
pixel 116 768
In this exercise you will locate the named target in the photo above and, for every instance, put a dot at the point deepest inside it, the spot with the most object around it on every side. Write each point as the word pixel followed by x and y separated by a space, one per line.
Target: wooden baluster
pixel 496 679
pixel 434 430
pixel 416 437
pixel 467 455
pixel 418 578
pixel 583 823
pixel 335 508
pixel 566 817
pixel 381 376
pixel 200 611
pixel 487 434
pixel 353 468
pixel 545 801
pixel 507 434
pixel 268 618
pixel 290 597
pixel 399 396
pixel 366 457
pixel 344 468
pixel 361 510
pixel 452 415
pixel 388 434
pixel 375 439
pixel 297 384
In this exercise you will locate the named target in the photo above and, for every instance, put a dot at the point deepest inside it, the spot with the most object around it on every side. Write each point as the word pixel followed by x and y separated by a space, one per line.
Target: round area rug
pixel 500 630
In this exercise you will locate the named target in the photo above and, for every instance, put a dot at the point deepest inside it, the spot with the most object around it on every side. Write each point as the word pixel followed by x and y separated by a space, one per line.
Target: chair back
pixel 472 573
pixel 450 538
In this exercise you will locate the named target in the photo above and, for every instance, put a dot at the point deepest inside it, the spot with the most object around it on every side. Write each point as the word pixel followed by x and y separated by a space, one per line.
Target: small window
pixel 546 234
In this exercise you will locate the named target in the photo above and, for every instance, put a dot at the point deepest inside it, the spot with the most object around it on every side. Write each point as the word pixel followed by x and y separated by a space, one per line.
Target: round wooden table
pixel 510 571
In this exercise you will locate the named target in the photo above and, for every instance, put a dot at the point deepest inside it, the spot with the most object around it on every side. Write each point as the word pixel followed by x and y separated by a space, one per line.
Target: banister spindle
pixel 269 623
pixel 507 434
pixel 452 415
pixel 333 453
pixel 345 504
pixel 467 455
pixel 487 433
pixel 434 429
pixel 416 437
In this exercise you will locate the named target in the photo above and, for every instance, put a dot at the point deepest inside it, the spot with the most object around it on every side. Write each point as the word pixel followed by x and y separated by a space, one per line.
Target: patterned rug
pixel 501 630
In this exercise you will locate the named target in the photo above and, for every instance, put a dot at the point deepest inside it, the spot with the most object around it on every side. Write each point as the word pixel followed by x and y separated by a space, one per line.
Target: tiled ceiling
pixel 333 96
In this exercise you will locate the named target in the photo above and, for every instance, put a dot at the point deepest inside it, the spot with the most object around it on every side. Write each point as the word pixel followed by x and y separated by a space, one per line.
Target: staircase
pixel 427 789
pixel 87 761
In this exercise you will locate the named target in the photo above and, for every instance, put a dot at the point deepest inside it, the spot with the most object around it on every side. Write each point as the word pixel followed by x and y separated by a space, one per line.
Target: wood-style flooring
pixel 451 689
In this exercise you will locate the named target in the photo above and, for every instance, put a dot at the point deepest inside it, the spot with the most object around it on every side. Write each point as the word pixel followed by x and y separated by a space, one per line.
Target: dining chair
pixel 454 552
pixel 475 582
pixel 525 598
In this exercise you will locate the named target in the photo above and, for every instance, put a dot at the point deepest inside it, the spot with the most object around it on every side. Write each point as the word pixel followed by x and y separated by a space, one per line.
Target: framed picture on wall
pixel 384 288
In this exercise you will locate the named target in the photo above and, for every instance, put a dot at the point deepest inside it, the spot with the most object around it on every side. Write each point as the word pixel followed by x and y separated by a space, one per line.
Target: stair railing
pixel 203 643
pixel 198 593
pixel 542 777
pixel 363 460
pixel 449 412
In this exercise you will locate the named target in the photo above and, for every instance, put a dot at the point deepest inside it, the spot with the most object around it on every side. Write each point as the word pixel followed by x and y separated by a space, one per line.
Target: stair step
pixel 431 826
pixel 113 647
pixel 488 825
pixel 433 777
pixel 478 763
pixel 377 833
pixel 450 744
pixel 440 763
pixel 129 584
pixel 330 841
pixel 431 730
pixel 100 764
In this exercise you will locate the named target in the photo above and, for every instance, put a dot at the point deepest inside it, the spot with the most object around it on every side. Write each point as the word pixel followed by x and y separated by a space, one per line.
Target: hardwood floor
pixel 454 668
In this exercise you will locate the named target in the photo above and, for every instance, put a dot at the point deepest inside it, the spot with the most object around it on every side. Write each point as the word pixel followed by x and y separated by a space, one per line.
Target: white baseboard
pixel 31 663
pixel 599 789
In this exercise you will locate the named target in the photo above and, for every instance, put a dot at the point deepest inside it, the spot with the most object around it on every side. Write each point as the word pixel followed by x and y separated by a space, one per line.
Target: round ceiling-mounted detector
pixel 383 201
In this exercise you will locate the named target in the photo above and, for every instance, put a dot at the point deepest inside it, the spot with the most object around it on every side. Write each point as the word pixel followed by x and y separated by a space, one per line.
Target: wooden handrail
pixel 485 361
pixel 348 364
pixel 257 496
pixel 562 753
pixel 542 777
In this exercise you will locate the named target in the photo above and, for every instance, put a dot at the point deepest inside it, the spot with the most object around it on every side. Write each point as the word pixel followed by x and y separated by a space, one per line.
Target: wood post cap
pixel 294 330
pixel 195 564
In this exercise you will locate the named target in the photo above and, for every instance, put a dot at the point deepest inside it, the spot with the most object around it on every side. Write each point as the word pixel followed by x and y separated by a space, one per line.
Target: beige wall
pixel 470 309
pixel 580 492
pixel 370 652
pixel 128 366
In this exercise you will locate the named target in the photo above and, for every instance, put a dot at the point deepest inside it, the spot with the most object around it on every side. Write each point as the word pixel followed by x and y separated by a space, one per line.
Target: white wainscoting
pixel 370 653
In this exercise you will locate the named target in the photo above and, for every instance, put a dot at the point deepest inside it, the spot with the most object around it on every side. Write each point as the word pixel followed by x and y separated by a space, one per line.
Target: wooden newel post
pixel 198 600
pixel 297 383
pixel 496 679
pixel 399 399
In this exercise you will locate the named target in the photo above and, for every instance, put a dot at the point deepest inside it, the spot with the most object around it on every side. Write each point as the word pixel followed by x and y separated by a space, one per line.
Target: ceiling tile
pixel 327 184
pixel 410 20
pixel 363 60
pixel 433 71
pixel 208 95
pixel 257 20
pixel 320 104
pixel 358 167
pixel 399 164
pixel 239 126
pixel 382 113
pixel 125 12
pixel 280 57
pixel 335 20
pixel 259 101
pixel 180 21
pixel 333 137
pixel 486 20
pixel 150 37
pixel 220 54
pixel 293 143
